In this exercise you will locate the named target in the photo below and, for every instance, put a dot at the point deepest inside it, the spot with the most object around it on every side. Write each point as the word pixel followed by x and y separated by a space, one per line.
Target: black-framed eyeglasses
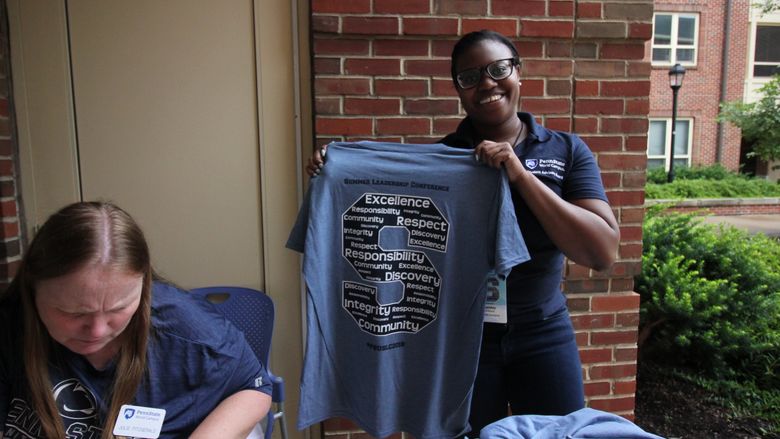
pixel 497 70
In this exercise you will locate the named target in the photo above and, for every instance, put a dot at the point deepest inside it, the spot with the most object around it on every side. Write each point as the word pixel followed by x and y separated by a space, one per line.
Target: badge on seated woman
pixel 495 301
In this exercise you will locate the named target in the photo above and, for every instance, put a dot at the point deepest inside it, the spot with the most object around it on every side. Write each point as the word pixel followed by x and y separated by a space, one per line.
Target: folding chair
pixel 252 312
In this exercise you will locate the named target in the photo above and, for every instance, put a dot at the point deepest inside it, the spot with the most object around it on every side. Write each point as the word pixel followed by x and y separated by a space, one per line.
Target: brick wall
pixel 723 206
pixel 10 238
pixel 381 71
pixel 699 96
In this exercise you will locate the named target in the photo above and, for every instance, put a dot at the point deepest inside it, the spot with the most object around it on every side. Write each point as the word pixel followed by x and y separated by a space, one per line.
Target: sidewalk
pixel 766 224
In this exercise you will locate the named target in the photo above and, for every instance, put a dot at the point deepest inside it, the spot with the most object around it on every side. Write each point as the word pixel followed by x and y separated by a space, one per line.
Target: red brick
pixel 586 125
pixel 547 29
pixel 622 51
pixel 340 47
pixel 612 405
pixel 6 168
pixel 625 387
pixel 443 88
pixel 630 251
pixel 506 27
pixel 582 338
pixel 325 23
pixel 339 126
pixel 547 106
pixel 3 107
pixel 530 49
pixel 559 49
pixel 632 215
pixel 610 179
pixel 372 66
pixel 403 125
pixel 586 286
pixel 400 87
pixel 461 7
pixel 625 88
pixel 585 50
pixel 445 125
pixel 624 125
pixel 557 123
pixel 615 302
pixel 601 29
pixel 372 106
pixel 599 69
pixel 400 48
pixel 341 7
pixel 325 66
pixel 628 11
pixel 621 285
pixel 612 371
pixel 577 304
pixel 10 230
pixel 370 25
pixel 8 209
pixel 640 31
pixel 423 140
pixel 327 105
pixel 628 319
pixel 630 233
pixel 603 143
pixel 626 354
pixel 442 48
pixel 586 88
pixel 532 87
pixel 7 188
pixel 590 321
pixel 597 355
pixel 400 6
pixel 548 68
pixel 597 389
pixel 6 147
pixel 636 143
pixel 427 67
pixel 589 10
pixel 639 69
pixel 520 8
pixel 431 106
pixel 638 106
pixel 626 198
pixel 598 106
pixel 430 26
pixel 330 86
pixel 561 8
pixel 559 87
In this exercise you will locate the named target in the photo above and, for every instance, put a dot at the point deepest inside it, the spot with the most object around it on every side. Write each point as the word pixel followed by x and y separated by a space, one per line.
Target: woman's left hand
pixel 496 154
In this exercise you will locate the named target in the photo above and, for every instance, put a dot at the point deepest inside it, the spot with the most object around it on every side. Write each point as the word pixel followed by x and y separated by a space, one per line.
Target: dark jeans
pixel 534 367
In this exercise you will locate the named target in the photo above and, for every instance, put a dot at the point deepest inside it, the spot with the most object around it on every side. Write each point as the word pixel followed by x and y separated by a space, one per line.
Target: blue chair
pixel 252 312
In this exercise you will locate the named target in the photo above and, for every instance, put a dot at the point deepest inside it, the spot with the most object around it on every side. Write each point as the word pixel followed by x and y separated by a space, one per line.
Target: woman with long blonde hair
pixel 84 329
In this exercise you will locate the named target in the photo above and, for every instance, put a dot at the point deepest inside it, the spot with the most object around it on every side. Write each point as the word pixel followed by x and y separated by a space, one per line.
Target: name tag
pixel 495 302
pixel 139 422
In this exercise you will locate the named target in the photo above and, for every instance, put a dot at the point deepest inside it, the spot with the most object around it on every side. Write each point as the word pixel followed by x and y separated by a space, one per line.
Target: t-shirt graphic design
pixel 76 405
pixel 424 227
pixel 398 241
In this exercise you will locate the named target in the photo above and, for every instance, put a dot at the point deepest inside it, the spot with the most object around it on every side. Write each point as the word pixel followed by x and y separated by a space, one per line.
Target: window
pixel 767 55
pixel 675 38
pixel 660 138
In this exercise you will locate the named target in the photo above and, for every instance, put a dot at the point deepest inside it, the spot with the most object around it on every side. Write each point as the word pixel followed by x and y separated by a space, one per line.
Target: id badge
pixel 495 301
pixel 139 422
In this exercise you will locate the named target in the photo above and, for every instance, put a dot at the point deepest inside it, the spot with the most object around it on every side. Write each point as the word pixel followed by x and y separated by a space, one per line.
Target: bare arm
pixel 235 416
pixel 584 230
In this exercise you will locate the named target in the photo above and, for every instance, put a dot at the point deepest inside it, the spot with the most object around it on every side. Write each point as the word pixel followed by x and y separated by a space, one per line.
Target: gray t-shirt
pixel 398 241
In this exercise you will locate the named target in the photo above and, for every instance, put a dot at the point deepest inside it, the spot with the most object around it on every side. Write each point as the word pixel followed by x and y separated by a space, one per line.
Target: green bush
pixel 710 298
pixel 706 182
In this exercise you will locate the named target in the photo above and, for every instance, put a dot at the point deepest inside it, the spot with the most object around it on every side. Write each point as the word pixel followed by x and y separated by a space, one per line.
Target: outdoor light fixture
pixel 676 75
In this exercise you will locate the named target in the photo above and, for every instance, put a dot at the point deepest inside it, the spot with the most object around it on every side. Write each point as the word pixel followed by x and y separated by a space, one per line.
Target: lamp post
pixel 676 75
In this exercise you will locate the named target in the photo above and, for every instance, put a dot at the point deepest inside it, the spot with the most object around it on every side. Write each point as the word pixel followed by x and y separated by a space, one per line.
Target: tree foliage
pixel 759 121
pixel 767 6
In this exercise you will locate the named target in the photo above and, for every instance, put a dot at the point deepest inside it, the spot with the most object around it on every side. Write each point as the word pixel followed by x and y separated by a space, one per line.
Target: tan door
pixel 165 108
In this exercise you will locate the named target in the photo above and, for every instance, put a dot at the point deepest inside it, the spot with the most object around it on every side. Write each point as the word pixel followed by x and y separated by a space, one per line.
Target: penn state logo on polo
pixel 74 401
pixel 531 163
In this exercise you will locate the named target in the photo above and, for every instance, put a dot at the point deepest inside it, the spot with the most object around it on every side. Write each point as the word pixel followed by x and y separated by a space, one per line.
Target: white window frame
pixel 668 141
pixel 755 48
pixel 673 46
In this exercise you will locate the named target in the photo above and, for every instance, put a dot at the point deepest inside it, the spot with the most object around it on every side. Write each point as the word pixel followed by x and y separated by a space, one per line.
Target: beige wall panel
pixel 167 127
pixel 44 107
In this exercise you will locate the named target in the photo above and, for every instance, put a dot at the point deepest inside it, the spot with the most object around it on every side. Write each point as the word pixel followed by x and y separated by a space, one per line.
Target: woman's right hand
pixel 316 161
